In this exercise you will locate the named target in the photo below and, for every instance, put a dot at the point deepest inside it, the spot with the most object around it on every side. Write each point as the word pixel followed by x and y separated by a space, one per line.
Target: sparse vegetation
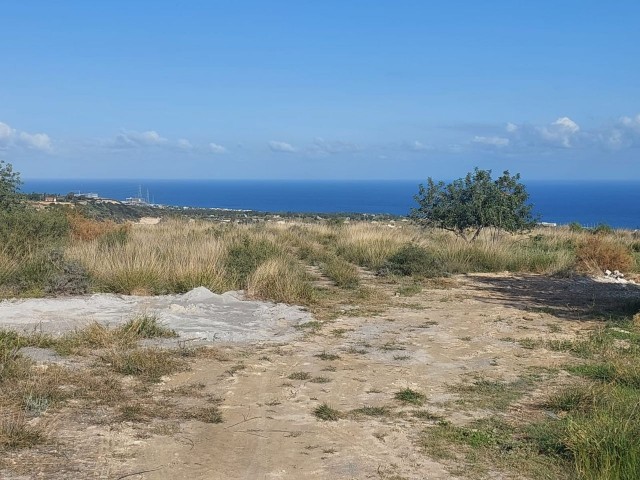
pixel 327 413
pixel 410 396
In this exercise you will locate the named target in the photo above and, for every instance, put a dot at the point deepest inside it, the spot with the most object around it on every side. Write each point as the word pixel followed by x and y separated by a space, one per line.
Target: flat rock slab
pixel 199 314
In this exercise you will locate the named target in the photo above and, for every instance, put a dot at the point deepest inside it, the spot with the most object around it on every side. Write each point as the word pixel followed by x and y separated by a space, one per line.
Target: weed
pixel 371 411
pixel 15 432
pixel 210 414
pixel 320 380
pixel 410 396
pixel 146 326
pixel 299 376
pixel 327 356
pixel 150 364
pixel 325 412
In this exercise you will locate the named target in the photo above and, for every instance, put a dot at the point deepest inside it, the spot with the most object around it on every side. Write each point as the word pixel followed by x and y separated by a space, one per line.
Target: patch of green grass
pixel 603 372
pixel 149 364
pixel 320 380
pixel 343 273
pixel 299 376
pixel 327 356
pixel 494 394
pixel 426 415
pixel 313 326
pixel 371 411
pixel 358 351
pixel 209 414
pixel 410 396
pixel 530 343
pixel 339 332
pixel 409 290
pixel 326 413
pixel 147 326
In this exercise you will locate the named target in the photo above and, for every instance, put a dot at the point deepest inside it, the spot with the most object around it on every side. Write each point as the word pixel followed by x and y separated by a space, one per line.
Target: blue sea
pixel 589 203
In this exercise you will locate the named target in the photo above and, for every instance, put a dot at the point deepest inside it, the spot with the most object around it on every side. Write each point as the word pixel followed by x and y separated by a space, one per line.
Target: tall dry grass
pixel 178 255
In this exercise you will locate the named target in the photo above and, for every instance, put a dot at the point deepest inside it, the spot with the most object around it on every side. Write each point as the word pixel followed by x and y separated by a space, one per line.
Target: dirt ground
pixel 452 332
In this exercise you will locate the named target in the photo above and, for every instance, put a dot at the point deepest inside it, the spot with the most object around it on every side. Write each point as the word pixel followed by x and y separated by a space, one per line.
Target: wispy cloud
pixel 285 147
pixel 133 139
pixel 184 144
pixel 13 138
pixel 215 148
pixel 491 141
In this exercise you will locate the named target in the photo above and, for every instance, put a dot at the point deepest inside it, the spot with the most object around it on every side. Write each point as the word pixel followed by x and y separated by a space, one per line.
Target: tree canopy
pixel 9 184
pixel 467 205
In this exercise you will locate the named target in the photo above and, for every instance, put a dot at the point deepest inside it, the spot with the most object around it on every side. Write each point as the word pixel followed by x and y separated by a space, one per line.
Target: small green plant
pixel 410 396
pixel 328 356
pixel 149 364
pixel 299 376
pixel 320 380
pixel 326 413
pixel 147 326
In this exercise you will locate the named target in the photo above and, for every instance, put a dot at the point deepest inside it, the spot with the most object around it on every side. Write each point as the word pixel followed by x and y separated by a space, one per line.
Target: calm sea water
pixel 589 203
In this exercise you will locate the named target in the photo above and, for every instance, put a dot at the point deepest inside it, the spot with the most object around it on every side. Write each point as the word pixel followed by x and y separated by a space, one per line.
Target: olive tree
pixel 9 184
pixel 467 205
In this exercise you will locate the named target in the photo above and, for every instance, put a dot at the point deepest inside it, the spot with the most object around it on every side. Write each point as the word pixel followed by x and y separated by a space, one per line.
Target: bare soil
pixel 452 332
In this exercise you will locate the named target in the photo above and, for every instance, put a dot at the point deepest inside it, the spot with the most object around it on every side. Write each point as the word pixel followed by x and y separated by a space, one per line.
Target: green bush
pixel 603 229
pixel 413 260
pixel 26 231
pixel 244 257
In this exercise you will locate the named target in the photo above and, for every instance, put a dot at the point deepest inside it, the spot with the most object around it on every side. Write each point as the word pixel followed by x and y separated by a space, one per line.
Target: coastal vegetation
pixel 585 428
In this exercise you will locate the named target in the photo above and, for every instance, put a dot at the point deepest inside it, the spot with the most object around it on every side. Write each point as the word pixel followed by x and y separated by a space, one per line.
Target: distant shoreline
pixel 615 203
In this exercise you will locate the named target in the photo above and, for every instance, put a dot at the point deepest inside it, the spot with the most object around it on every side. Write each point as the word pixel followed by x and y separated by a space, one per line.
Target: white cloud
pixel 184 144
pixel 276 146
pixel 215 148
pixel 10 137
pixel 133 139
pixel 491 141
pixel 561 132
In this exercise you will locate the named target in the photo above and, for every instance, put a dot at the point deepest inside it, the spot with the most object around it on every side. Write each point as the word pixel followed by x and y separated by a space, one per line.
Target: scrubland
pixel 585 426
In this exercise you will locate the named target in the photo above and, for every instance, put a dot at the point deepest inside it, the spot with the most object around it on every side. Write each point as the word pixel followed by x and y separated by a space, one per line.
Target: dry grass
pixel 281 280
pixel 598 253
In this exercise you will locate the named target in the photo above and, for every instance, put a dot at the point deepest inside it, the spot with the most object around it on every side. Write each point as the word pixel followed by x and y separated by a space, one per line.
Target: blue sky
pixel 320 89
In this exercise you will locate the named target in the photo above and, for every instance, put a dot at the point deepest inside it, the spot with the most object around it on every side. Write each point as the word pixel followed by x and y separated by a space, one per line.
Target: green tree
pixel 469 204
pixel 9 184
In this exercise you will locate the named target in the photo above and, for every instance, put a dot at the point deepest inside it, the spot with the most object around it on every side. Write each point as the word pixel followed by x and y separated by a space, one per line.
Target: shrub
pixel 603 253
pixel 244 257
pixel 413 260
pixel 73 279
pixel 603 229
pixel 575 227
pixel 28 231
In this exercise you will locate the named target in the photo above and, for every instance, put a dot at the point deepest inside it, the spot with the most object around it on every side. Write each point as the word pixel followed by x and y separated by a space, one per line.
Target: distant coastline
pixel 616 203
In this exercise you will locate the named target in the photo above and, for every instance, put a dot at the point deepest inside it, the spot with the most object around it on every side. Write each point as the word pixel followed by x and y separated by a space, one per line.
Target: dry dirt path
pixel 427 342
